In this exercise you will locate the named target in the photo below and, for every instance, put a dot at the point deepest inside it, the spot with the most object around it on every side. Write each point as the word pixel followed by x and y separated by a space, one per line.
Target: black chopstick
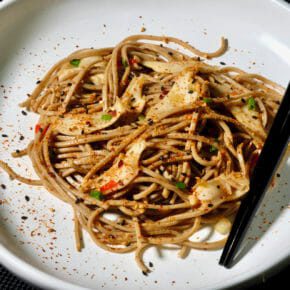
pixel 266 166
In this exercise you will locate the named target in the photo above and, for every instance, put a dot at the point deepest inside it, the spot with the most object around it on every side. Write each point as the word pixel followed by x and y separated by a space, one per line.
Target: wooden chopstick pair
pixel 266 166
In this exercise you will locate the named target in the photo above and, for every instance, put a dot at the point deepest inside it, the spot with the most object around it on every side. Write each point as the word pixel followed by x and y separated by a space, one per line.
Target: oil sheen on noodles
pixel 147 143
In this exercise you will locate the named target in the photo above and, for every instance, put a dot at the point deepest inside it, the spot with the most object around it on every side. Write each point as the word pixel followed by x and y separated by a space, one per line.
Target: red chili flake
pixel 235 93
pixel 120 164
pixel 110 185
pixel 164 91
pixel 254 160
pixel 37 128
pixel 113 113
pixel 133 61
pixel 44 131
pixel 51 174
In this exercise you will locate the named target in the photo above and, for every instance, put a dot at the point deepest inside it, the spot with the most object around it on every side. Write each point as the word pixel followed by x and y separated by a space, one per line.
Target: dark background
pixel 10 282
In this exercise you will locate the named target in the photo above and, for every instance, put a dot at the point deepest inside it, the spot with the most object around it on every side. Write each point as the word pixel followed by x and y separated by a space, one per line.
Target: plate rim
pixel 35 276
pixel 41 278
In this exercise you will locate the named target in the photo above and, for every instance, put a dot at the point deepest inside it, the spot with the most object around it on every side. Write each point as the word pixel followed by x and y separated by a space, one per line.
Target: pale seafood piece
pixel 250 119
pixel 68 70
pixel 67 73
pixel 223 226
pixel 122 172
pixel 132 97
pixel 181 95
pixel 178 66
pixel 77 124
pixel 209 194
pixel 85 62
pixel 97 79
pixel 169 67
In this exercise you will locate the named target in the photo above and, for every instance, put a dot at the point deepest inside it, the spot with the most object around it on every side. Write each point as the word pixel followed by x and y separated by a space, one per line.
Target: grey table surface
pixel 8 281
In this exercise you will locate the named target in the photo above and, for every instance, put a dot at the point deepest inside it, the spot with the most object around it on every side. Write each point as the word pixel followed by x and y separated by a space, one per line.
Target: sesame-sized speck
pixel 21 138
pixel 24 217
pixel 150 122
pixel 278 175
pixel 3 186
pixel 38 82
pixel 78 200
pixel 24 113
pixel 27 198
pixel 222 63
pixel 150 264
pixel 4 135
pixel 144 273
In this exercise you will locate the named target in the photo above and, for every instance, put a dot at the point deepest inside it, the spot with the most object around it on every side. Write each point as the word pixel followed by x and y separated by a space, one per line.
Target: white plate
pixel 34 35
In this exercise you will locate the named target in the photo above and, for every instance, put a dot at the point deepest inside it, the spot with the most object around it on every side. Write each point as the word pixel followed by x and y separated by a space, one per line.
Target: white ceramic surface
pixel 35 34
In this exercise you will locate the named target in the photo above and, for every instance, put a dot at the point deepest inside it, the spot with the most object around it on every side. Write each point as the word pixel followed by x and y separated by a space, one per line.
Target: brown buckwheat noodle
pixel 148 143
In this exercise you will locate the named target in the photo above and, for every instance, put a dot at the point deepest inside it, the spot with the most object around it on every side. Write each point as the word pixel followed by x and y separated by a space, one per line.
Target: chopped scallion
pixel 124 63
pixel 75 62
pixel 141 117
pixel 251 103
pixel 96 194
pixel 180 185
pixel 106 117
pixel 212 149
pixel 207 100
